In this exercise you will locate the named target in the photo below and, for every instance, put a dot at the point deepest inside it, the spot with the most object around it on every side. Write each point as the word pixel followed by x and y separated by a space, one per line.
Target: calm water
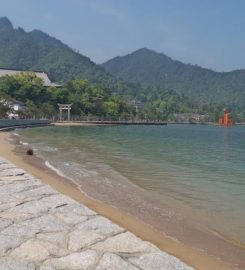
pixel 200 167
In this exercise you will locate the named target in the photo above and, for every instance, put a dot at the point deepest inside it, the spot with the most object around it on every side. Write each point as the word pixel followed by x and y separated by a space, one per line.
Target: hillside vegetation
pixel 145 68
pixel 162 86
pixel 36 50
pixel 88 101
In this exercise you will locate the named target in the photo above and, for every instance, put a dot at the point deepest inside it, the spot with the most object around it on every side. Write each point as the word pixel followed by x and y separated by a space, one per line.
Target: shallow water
pixel 199 168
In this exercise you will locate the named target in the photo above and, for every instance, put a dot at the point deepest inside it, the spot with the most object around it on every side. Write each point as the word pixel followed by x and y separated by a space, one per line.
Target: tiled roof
pixel 39 74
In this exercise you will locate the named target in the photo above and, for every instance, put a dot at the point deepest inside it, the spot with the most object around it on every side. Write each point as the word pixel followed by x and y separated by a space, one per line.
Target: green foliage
pixel 115 108
pixel 87 99
pixel 163 85
pixel 36 50
pixel 28 88
pixel 4 101
pixel 90 100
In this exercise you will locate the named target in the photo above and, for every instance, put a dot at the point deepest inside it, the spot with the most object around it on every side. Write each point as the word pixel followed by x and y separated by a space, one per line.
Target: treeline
pixel 162 104
pixel 92 101
pixel 165 88
pixel 88 100
pixel 145 68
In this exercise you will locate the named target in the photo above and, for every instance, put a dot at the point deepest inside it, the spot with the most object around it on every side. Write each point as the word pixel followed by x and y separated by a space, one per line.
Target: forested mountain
pixel 36 50
pixel 145 67
pixel 162 85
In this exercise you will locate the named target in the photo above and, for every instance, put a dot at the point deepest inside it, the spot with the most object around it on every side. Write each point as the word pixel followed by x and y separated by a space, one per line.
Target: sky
pixel 208 33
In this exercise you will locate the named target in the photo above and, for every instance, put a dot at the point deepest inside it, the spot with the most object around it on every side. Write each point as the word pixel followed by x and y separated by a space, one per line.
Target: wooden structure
pixel 65 107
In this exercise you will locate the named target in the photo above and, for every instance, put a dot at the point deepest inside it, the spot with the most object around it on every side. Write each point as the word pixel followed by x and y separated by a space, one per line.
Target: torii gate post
pixel 65 107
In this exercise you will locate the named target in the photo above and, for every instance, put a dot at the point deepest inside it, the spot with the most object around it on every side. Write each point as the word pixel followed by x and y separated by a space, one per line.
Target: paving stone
pixel 46 268
pixel 8 243
pixel 125 243
pixel 57 238
pixel 40 191
pixel 30 227
pixel 46 223
pixel 30 209
pixel 100 225
pixel 17 187
pixel 16 178
pixel 113 261
pixel 25 210
pixel 12 264
pixel 35 251
pixel 19 229
pixel 43 229
pixel 6 206
pixel 73 213
pixel 69 216
pixel 74 261
pixel 11 172
pixel 5 223
pixel 57 200
pixel 81 238
pixel 7 199
pixel 159 261
pixel 4 166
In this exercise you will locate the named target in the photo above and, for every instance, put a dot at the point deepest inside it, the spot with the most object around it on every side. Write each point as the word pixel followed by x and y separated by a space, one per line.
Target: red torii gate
pixel 227 120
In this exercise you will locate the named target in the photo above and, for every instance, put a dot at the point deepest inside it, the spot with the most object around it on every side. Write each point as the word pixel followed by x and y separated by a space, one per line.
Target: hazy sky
pixel 209 33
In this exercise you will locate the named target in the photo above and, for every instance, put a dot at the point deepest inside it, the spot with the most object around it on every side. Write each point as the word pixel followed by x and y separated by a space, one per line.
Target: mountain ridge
pixel 36 50
pixel 145 68
pixel 128 75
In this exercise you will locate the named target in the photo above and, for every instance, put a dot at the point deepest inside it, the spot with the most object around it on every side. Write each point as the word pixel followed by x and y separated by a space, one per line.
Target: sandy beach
pixel 37 168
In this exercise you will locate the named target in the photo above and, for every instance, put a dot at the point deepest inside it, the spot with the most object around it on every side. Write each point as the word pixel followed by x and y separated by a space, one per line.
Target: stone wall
pixel 7 123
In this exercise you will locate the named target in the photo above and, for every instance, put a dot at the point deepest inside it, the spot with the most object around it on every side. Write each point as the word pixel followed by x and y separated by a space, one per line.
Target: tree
pixel 31 109
pixel 4 104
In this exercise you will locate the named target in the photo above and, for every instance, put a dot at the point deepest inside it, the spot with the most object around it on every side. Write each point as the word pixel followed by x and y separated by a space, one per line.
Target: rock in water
pixel 30 152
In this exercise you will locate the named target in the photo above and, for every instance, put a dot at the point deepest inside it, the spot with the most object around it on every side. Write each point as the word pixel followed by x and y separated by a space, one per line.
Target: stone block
pixel 8 243
pixel 36 251
pixel 81 238
pixel 101 226
pixel 57 238
pixel 75 261
pixel 125 243
pixel 111 261
pixel 12 264
pixel 159 261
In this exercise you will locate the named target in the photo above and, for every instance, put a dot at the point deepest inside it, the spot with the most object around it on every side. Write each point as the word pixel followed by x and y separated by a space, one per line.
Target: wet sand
pixel 194 257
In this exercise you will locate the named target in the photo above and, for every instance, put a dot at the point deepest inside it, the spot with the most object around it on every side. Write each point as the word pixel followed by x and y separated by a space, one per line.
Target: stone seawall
pixel 11 123
pixel 41 229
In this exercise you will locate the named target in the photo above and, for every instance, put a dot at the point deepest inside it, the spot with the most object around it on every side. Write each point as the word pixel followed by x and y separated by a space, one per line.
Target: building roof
pixel 39 74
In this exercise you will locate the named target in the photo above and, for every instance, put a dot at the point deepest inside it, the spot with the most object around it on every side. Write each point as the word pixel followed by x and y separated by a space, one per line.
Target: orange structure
pixel 227 120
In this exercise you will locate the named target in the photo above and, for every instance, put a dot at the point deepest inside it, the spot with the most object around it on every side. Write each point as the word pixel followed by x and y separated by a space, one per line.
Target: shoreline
pixel 187 254
pixel 45 229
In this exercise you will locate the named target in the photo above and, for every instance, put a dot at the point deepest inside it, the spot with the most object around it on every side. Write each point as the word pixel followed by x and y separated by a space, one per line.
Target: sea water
pixel 200 167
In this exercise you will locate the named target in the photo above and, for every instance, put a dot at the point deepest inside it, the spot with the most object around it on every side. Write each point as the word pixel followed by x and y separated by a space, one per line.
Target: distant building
pixel 137 104
pixel 39 74
pixel 16 107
